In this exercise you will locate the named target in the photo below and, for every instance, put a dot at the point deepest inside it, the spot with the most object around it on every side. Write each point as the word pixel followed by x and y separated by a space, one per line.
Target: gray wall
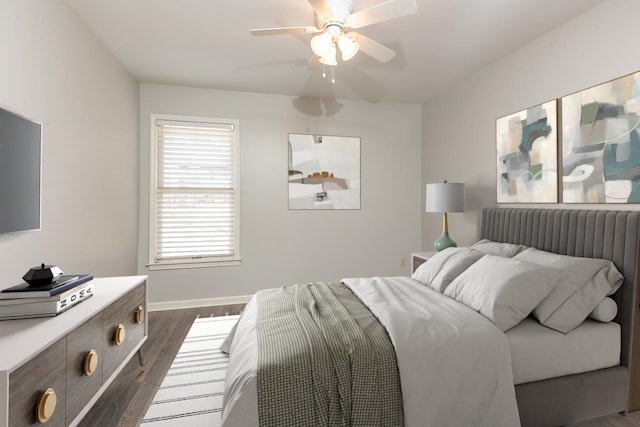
pixel 56 72
pixel 459 124
pixel 278 246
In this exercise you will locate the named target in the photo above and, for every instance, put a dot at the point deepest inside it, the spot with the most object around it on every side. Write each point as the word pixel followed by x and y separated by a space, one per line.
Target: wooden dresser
pixel 52 370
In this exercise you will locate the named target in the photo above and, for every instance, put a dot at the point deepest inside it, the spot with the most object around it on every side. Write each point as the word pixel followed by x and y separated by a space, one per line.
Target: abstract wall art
pixel 324 172
pixel 527 155
pixel 601 143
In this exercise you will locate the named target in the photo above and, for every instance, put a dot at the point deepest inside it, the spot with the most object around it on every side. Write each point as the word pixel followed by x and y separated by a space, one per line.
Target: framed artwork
pixel 324 172
pixel 527 155
pixel 601 143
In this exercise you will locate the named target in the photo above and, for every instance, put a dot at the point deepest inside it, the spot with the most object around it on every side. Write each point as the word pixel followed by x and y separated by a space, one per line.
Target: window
pixel 194 201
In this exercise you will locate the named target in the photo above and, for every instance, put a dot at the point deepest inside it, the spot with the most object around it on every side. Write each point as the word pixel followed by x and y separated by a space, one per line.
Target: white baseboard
pixel 195 303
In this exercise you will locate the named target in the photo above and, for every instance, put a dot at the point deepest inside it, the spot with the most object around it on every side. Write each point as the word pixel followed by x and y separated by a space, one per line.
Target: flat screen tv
pixel 20 173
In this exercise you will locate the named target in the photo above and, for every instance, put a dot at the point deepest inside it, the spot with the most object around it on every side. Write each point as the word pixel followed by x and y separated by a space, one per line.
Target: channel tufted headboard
pixel 612 235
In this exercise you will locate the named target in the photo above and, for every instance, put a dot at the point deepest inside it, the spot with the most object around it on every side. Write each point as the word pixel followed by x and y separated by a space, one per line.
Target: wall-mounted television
pixel 20 173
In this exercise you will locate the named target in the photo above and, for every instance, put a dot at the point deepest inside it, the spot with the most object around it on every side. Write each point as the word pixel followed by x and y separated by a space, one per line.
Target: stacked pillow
pixel 442 268
pixel 504 290
pixel 428 270
pixel 508 250
pixel 507 282
pixel 583 284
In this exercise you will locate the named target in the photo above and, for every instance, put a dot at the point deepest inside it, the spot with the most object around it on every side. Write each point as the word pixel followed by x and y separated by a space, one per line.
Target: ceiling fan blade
pixel 283 30
pixel 373 48
pixel 390 9
pixel 322 9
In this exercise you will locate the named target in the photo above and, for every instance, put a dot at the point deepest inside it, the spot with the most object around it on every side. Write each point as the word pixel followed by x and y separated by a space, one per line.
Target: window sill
pixel 186 265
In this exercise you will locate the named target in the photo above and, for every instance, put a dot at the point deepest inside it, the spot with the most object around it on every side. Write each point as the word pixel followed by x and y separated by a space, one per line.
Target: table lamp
pixel 445 197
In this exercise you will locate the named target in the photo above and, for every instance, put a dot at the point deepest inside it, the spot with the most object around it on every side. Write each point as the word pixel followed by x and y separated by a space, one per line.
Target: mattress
pixel 538 353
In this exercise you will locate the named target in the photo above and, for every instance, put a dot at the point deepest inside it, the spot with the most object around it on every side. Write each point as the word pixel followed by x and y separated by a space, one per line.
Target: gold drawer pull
pixel 120 334
pixel 90 362
pixel 46 405
pixel 140 315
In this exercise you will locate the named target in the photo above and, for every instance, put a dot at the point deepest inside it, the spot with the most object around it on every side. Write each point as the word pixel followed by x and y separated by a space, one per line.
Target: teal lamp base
pixel 444 242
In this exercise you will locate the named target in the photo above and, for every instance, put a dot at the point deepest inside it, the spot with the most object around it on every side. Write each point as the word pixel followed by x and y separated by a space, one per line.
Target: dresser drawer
pixel 84 370
pixel 27 384
pixel 121 329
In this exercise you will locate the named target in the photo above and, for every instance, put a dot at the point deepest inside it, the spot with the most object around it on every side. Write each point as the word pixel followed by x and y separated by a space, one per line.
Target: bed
pixel 579 388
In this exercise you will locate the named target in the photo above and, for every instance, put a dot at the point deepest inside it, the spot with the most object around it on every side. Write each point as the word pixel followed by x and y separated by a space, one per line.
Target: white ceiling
pixel 206 43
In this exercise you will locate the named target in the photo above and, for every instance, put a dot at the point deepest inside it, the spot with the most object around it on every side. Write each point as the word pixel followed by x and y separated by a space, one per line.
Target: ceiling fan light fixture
pixel 333 24
pixel 330 57
pixel 348 47
pixel 321 44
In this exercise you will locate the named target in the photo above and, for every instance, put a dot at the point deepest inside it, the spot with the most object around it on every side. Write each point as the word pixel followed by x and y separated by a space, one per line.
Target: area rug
pixel 191 392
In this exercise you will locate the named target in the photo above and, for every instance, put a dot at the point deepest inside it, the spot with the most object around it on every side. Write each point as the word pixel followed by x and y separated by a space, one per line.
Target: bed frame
pixel 612 235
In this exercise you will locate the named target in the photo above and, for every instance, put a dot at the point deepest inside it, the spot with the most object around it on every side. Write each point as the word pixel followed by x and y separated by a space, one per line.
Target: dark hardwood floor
pixel 126 401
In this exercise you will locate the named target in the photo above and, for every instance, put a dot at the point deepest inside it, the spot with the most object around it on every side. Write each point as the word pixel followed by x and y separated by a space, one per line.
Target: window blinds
pixel 195 191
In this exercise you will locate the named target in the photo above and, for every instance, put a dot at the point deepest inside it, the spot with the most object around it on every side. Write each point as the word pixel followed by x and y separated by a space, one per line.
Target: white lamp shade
pixel 348 47
pixel 321 44
pixel 445 197
pixel 330 57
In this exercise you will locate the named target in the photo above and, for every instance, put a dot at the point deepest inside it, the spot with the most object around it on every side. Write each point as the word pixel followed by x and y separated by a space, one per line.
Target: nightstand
pixel 418 258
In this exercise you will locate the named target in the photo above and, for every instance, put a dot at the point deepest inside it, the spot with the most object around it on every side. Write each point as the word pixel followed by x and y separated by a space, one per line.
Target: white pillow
pixel 504 290
pixel 606 311
pixel 454 266
pixel 508 250
pixel 583 284
pixel 428 270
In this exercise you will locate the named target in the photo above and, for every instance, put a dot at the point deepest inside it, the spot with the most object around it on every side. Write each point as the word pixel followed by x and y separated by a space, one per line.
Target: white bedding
pixel 455 365
pixel 538 352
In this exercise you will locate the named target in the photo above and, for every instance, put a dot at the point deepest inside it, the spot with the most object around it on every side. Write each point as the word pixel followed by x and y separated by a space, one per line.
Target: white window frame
pixel 190 262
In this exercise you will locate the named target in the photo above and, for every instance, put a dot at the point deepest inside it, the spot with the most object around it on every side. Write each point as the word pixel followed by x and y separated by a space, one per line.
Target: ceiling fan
pixel 335 19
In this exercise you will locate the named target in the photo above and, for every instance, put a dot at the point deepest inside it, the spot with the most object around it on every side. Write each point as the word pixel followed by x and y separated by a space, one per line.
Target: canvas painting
pixel 527 155
pixel 601 143
pixel 324 172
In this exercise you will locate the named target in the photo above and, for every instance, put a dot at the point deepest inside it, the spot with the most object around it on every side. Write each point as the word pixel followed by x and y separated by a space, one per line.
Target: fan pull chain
pixel 333 73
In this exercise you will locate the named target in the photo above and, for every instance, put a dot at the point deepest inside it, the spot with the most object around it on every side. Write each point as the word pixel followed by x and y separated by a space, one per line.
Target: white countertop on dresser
pixel 21 339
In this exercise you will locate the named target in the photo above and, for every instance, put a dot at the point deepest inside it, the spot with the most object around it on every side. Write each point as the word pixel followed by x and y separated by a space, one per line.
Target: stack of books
pixel 23 301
